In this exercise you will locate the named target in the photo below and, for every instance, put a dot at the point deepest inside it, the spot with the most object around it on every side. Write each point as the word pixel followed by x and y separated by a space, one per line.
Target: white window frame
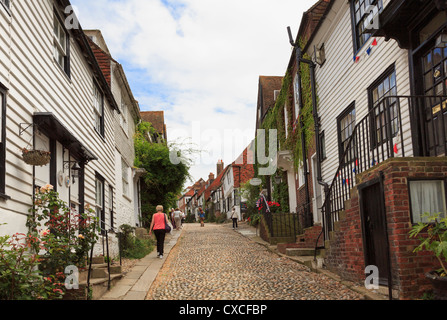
pixel 124 115
pixel 296 95
pixel 125 177
pixel 98 108
pixel 286 120
pixel 99 197
pixel 60 42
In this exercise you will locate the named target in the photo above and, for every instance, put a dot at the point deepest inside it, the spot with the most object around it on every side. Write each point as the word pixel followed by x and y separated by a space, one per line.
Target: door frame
pixel 379 180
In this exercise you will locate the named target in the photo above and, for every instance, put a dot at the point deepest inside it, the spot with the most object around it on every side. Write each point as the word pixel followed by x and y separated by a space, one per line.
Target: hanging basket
pixel 36 157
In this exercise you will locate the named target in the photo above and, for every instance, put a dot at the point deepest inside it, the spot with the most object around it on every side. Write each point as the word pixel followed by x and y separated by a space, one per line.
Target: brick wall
pixel 345 254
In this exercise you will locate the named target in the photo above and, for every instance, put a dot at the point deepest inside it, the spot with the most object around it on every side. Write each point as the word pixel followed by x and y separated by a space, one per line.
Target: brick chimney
pixel 211 177
pixel 220 166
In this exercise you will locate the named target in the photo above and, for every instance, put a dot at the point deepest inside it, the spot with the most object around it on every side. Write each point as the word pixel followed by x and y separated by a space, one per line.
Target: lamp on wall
pixel 278 179
pixel 441 40
pixel 74 169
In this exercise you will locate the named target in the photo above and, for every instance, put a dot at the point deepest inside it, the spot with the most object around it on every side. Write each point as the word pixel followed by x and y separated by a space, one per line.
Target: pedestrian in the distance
pixel 158 224
pixel 202 217
pixel 234 218
pixel 177 218
pixel 171 217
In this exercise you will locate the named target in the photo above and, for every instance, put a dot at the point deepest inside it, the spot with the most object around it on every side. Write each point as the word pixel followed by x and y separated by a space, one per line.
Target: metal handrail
pixel 376 150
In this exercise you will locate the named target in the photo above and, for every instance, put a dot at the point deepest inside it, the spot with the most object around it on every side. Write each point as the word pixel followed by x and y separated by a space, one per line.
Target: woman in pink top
pixel 158 225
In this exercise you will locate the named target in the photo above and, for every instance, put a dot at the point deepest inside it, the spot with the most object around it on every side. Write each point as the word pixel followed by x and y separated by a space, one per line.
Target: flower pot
pixel 36 157
pixel 439 285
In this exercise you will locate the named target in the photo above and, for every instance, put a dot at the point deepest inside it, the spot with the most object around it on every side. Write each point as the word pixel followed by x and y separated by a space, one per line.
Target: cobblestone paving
pixel 217 263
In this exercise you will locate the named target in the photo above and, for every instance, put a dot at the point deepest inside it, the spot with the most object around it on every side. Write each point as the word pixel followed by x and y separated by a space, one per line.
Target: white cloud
pixel 199 60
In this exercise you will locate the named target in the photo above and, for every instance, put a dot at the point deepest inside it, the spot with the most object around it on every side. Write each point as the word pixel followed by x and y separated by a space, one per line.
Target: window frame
pixel 343 115
pixel 96 112
pixel 409 180
pixel 125 178
pixel 355 24
pixel 373 116
pixel 57 45
pixel 124 118
pixel 297 94
pixel 101 206
pixel 3 107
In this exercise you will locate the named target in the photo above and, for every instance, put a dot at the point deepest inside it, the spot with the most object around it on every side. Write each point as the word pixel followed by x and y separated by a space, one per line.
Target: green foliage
pixel 281 194
pixel 164 179
pixel 133 247
pixel 32 266
pixel 251 193
pixel 66 236
pixel 274 119
pixel 433 237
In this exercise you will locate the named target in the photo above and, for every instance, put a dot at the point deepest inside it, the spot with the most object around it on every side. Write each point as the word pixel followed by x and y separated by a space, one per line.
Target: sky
pixel 199 61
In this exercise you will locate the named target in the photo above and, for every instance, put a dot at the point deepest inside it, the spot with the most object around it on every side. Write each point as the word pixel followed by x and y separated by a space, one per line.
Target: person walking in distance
pixel 234 218
pixel 202 217
pixel 177 218
pixel 158 225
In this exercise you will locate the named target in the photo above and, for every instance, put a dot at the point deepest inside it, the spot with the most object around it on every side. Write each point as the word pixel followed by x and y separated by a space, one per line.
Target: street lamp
pixel 441 40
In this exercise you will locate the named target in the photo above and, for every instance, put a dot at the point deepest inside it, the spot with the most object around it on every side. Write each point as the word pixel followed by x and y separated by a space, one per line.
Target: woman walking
pixel 177 218
pixel 202 217
pixel 234 218
pixel 158 224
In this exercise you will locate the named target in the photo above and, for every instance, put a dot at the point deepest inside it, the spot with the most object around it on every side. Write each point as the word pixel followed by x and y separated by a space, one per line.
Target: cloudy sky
pixel 199 61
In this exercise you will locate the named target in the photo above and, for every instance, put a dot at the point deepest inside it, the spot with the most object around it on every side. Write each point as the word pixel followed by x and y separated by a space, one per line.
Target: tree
pixel 164 179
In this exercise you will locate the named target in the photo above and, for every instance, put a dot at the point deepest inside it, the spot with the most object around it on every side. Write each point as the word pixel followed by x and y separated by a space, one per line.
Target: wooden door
pixel 374 228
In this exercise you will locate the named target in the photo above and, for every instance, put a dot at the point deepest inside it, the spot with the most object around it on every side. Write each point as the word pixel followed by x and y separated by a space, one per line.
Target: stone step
pixel 300 251
pixel 98 288
pixel 98 260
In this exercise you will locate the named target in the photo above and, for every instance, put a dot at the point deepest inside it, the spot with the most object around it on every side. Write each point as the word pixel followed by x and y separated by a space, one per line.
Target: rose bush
pixel 66 236
pixel 32 265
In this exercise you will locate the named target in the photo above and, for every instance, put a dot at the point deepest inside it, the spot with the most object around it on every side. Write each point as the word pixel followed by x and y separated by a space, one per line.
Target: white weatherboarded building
pixel 54 98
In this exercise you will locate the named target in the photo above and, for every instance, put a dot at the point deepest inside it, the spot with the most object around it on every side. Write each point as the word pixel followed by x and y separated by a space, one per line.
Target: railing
pixel 378 137
pixel 104 233
pixel 288 225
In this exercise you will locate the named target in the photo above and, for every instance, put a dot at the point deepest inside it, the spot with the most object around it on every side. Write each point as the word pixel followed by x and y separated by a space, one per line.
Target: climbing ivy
pixel 274 119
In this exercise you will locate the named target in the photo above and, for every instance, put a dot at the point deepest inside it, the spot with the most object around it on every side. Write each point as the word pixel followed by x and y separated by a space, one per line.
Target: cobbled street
pixel 217 263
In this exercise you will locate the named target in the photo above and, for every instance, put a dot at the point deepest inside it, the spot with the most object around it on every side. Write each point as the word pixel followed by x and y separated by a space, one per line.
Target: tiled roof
pixel 157 119
pixel 312 18
pixel 243 169
pixel 267 87
pixel 215 184
pixel 104 60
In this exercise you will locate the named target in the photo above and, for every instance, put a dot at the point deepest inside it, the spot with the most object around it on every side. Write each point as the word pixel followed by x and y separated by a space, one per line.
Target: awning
pixel 48 124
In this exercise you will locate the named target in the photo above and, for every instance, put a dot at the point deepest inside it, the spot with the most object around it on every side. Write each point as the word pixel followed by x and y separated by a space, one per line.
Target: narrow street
pixel 217 263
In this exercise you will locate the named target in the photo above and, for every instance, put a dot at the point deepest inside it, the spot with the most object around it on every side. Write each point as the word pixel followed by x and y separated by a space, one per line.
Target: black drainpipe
pixel 300 59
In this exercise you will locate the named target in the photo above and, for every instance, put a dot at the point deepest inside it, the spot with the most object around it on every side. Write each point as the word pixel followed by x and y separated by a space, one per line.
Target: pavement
pixel 216 262
pixel 136 283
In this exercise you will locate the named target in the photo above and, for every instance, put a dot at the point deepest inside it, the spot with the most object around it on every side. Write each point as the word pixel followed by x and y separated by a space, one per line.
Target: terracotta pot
pixel 439 285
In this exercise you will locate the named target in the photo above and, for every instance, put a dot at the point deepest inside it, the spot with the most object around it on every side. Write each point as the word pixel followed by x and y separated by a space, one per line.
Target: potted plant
pixel 36 157
pixel 433 237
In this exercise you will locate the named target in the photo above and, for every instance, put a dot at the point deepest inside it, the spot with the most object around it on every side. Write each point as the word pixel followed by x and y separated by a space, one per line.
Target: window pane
pixel 437 56
pixel 426 197
pixel 427 62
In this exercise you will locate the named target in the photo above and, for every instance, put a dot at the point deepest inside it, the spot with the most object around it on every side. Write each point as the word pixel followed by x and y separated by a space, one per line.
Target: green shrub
pixel 133 247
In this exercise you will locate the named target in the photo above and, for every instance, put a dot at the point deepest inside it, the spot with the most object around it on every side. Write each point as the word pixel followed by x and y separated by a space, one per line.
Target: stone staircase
pixel 99 278
pixel 303 250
